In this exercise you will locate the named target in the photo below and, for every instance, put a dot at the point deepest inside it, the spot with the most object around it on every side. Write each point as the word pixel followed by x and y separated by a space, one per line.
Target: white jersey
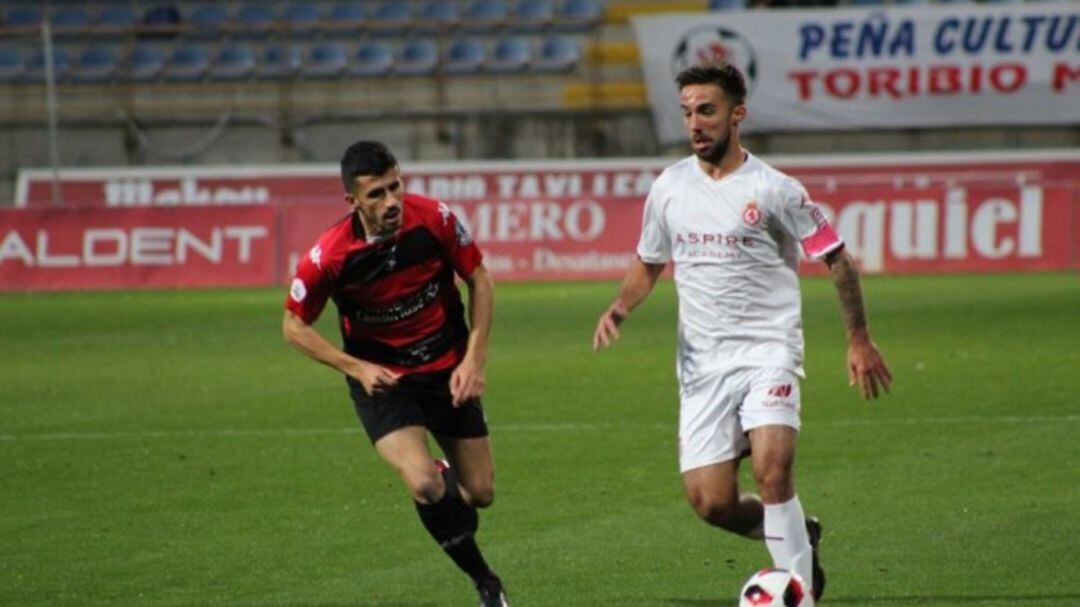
pixel 733 242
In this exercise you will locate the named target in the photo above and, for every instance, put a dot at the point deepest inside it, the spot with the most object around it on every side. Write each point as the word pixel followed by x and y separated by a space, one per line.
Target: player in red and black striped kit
pixel 412 363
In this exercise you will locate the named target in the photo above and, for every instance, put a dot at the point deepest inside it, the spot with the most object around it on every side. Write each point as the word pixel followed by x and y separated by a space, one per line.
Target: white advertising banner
pixel 882 67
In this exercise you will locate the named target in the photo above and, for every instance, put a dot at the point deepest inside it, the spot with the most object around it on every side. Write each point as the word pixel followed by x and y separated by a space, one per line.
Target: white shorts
pixel 717 410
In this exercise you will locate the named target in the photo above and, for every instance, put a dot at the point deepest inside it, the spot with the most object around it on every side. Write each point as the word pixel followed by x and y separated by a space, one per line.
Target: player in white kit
pixel 732 225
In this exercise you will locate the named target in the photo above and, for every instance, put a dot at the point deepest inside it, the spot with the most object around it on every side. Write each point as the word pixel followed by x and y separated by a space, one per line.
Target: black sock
pixel 452 523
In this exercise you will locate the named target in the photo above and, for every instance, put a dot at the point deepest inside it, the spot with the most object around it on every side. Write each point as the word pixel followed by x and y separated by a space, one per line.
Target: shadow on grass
pixel 1006 599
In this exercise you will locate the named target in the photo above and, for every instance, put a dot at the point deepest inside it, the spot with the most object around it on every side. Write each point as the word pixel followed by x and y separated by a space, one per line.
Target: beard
pixel 715 152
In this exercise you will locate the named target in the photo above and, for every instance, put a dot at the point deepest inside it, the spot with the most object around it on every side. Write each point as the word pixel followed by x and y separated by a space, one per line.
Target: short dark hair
pixel 724 75
pixel 365 158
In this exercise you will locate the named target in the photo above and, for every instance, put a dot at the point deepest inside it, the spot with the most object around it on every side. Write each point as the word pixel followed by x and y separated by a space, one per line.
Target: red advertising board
pixel 128 248
pixel 534 221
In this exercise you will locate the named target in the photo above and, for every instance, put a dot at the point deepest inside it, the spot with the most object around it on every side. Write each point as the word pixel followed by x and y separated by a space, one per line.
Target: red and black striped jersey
pixel 397 302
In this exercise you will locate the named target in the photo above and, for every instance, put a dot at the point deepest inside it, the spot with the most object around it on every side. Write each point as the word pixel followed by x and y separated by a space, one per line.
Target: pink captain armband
pixel 821 243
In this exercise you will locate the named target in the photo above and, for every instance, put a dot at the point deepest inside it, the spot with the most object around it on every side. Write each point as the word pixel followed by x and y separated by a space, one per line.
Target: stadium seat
pixel 69 22
pixel 726 5
pixel 440 15
pixel 234 61
pixel 23 17
pixel 373 58
pixel 254 21
pixel 302 19
pixel 12 64
pixel 35 68
pixel 579 15
pixel 280 61
pixel 558 54
pixel 391 18
pixel 98 63
pixel 208 21
pixel 346 18
pixel 533 15
pixel 418 57
pixel 188 62
pixel 145 62
pixel 116 17
pixel 484 16
pixel 466 56
pixel 162 21
pixel 510 55
pixel 325 60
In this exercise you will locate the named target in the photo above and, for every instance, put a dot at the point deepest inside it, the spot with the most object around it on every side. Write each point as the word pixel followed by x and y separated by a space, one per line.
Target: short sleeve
pixel 311 286
pixel 460 247
pixel 654 246
pixel 805 221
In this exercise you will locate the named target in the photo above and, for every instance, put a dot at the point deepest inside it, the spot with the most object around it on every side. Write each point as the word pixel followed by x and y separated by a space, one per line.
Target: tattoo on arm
pixel 846 278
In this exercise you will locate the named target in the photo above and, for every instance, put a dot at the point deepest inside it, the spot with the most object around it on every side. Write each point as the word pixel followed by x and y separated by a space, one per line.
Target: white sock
pixel 786 538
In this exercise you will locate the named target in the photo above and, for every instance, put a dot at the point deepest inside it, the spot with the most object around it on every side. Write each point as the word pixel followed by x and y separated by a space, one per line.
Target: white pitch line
pixel 496 428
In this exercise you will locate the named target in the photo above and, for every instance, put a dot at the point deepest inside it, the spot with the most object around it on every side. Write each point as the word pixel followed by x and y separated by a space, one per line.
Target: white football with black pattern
pixel 775 588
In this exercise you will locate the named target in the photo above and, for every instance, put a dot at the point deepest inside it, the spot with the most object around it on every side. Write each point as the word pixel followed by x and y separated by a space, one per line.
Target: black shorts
pixel 421 399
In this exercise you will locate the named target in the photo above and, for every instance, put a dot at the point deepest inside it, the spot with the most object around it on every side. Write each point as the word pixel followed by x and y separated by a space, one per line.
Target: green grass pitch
pixel 168 448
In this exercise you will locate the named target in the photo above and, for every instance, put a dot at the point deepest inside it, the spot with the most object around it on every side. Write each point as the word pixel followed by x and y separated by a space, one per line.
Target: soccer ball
pixel 775 588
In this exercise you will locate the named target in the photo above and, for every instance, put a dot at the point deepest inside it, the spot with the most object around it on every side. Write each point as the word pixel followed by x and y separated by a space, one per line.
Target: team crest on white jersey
pixel 315 255
pixel 298 291
pixel 752 215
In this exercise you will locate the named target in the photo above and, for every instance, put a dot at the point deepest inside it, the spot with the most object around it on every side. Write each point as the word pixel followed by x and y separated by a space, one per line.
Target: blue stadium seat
pixel 145 62
pixel 325 60
pixel 303 19
pixel 533 15
pixel 579 15
pixel 188 62
pixel 234 61
pixel 98 63
pixel 373 58
pixel 68 21
pixel 346 19
pixel 254 21
pixel 208 21
pixel 485 16
pixel 466 56
pixel 726 5
pixel 558 54
pixel 12 64
pixel 510 55
pixel 162 21
pixel 440 15
pixel 280 61
pixel 418 57
pixel 391 18
pixel 116 17
pixel 35 68
pixel 23 17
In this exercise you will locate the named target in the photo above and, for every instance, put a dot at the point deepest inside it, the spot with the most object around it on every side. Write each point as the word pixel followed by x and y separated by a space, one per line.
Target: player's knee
pixel 483 497
pixel 480 495
pixel 426 487
pixel 714 510
pixel 775 484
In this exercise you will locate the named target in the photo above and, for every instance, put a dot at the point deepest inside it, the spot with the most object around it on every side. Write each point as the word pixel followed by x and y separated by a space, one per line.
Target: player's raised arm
pixel 467 381
pixel 866 366
pixel 302 336
pixel 640 279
